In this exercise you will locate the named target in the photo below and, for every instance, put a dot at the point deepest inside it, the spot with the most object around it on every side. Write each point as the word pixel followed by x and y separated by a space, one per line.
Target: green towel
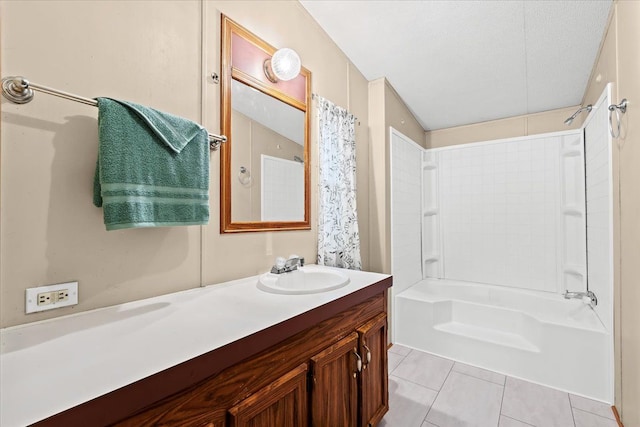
pixel 153 168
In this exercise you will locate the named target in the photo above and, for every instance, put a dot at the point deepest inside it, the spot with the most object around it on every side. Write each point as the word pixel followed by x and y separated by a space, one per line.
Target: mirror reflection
pixel 267 160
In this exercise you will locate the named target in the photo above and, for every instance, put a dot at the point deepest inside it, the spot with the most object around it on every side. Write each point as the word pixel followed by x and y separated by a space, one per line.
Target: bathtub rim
pixel 550 296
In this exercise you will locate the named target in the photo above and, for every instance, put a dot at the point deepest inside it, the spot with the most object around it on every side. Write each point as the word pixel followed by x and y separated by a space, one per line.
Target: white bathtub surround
pixel 406 209
pixel 512 212
pixel 89 354
pixel 471 396
pixel 509 226
pixel 338 238
pixel 542 338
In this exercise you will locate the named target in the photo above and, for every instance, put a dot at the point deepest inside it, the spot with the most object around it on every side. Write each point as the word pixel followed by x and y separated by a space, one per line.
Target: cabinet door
pixel 374 396
pixel 334 394
pixel 283 403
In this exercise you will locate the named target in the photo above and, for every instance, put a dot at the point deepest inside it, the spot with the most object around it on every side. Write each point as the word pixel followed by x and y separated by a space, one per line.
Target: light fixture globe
pixel 284 65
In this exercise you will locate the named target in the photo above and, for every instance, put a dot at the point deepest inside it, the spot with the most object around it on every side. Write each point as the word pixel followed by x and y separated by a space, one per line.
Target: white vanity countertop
pixel 50 366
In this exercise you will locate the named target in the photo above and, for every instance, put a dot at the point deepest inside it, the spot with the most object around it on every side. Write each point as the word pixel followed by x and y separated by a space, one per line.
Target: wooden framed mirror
pixel 264 165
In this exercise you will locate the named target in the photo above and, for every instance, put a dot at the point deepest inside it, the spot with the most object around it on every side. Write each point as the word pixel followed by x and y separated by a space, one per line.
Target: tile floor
pixel 430 391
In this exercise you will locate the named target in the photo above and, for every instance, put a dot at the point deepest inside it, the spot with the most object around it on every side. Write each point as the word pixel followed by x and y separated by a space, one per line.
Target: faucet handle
pixel 280 262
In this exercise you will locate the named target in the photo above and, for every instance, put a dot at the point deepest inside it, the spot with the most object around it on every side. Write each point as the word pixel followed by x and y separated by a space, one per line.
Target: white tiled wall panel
pixel 599 211
pixel 282 189
pixel 500 210
pixel 406 210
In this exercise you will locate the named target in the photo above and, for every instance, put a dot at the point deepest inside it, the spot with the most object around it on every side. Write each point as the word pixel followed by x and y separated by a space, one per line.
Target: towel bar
pixel 20 91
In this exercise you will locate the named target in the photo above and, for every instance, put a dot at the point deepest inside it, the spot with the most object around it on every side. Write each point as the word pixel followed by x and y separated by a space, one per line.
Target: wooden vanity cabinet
pixel 374 395
pixel 304 371
pixel 349 378
pixel 282 403
pixel 334 385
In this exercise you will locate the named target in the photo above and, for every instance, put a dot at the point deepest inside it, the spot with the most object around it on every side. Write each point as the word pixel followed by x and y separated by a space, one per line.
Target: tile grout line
pixel 418 384
pixel 438 393
pixel 587 411
pixel 504 385
pixel 515 419
pixel 591 413
pixel 399 363
pixel 571 406
pixel 504 388
pixel 478 378
pixel 413 382
pixel 573 417
pixel 506 377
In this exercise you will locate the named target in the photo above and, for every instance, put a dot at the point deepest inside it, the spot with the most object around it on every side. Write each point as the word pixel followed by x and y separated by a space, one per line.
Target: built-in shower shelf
pixel 574 271
pixel 429 165
pixel 488 335
pixel 573 211
pixel 431 212
pixel 572 153
pixel 431 258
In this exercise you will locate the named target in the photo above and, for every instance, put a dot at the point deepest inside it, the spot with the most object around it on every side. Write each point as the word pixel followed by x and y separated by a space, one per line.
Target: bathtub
pixel 541 338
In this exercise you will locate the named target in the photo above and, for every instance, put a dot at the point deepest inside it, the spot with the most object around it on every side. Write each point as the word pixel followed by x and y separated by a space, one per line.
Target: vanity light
pixel 284 65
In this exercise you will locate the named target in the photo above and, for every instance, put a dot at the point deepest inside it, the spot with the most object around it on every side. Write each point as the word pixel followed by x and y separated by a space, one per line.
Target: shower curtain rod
pixel 20 91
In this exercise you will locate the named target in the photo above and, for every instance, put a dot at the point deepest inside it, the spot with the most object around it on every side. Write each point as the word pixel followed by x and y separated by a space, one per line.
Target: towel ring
pixel 619 110
pixel 244 176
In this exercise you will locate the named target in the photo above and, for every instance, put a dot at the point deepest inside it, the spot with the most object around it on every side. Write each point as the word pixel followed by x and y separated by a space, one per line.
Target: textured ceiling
pixel 462 62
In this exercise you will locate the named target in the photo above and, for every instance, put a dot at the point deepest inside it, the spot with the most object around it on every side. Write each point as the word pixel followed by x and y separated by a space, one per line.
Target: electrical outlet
pixel 62 295
pixel 54 297
pixel 51 296
pixel 46 298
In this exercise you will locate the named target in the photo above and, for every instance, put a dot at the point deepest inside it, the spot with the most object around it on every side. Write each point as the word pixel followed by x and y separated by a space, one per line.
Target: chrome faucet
pixel 286 265
pixel 588 297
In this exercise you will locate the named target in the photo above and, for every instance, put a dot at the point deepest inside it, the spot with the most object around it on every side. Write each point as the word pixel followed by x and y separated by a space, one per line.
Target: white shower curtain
pixel 338 238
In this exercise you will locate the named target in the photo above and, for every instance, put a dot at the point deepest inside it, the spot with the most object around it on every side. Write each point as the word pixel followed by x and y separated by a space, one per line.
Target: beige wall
pixel 386 109
pixel 398 116
pixel 628 17
pixel 378 244
pixel 619 62
pixel 511 127
pixel 358 102
pixel 161 55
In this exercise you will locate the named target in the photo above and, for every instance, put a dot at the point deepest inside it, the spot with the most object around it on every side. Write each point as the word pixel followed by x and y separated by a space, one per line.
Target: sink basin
pixel 306 280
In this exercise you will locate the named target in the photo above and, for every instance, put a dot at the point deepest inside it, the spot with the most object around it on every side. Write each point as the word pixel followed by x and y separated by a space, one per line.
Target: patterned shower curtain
pixel 338 238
